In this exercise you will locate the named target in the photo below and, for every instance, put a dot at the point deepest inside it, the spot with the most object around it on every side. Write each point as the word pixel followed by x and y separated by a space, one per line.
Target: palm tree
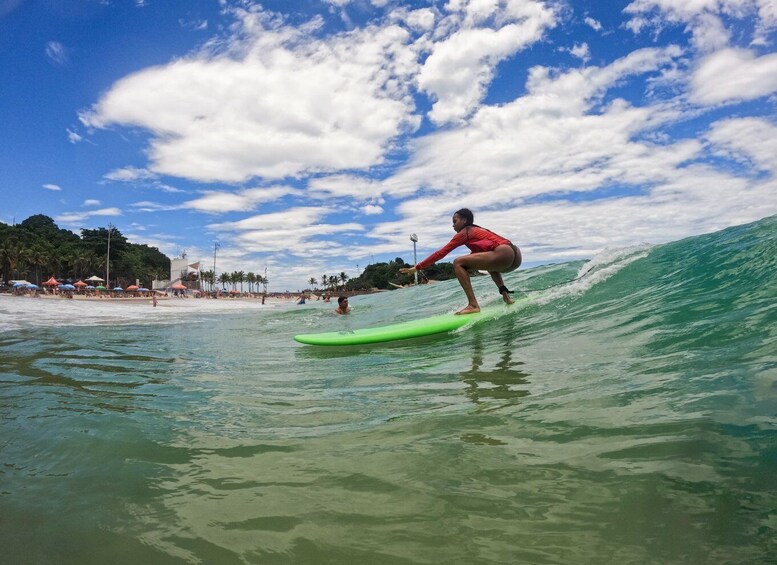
pixel 343 278
pixel 93 261
pixel 39 257
pixel 8 253
pixel 208 277
pixel 224 278
pixel 80 260
pixel 13 254
pixel 333 282
pixel 323 280
pixel 241 277
pixel 312 282
pixel 250 279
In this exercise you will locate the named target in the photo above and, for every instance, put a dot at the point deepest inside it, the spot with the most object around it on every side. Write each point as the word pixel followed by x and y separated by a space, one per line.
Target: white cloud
pixel 338 186
pixel 195 25
pixel 129 174
pixel 749 140
pixel 73 137
pixel 581 51
pixel 459 68
pixel 371 209
pixel 53 187
pixel 594 24
pixel 219 202
pixel 297 231
pixel 418 20
pixel 56 53
pixel 76 217
pixel 733 75
pixel 709 33
pixel 272 102
pixel 91 203
pixel 554 139
pixel 148 206
pixel 702 17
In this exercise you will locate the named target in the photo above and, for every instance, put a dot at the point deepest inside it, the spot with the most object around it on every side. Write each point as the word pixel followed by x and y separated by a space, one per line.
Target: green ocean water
pixel 627 417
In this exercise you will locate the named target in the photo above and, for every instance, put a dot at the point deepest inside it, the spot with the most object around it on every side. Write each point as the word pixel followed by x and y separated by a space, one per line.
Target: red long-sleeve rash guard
pixel 476 238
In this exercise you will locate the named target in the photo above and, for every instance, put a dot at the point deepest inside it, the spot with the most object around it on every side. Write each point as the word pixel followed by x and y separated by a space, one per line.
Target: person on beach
pixel 342 306
pixel 490 252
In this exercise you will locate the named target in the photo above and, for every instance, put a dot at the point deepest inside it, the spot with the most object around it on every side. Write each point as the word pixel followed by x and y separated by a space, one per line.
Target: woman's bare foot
pixel 506 297
pixel 469 309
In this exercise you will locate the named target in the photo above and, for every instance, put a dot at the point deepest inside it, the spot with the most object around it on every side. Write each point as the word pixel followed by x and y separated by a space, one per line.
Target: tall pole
pixel 414 239
pixel 215 246
pixel 108 258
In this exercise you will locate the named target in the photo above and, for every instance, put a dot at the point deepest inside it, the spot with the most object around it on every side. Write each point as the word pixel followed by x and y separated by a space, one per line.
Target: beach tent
pixel 94 279
pixel 51 282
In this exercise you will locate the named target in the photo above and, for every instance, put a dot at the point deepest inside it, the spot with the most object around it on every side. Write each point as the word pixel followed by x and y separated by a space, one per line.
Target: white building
pixel 180 271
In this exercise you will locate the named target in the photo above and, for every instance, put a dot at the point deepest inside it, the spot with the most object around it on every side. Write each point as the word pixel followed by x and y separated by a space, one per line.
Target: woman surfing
pixel 490 252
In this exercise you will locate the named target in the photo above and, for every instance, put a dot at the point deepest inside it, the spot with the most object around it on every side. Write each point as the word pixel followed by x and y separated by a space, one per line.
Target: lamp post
pixel 414 239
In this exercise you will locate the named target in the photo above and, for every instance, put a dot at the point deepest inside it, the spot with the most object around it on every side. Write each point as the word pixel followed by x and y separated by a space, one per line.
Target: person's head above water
pixel 342 300
pixel 463 218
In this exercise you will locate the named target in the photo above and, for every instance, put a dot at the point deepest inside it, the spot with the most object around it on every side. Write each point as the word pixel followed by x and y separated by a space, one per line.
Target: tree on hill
pixel 37 248
pixel 386 276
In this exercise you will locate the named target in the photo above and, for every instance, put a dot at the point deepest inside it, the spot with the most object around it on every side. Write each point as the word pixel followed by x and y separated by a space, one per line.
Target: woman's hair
pixel 341 299
pixel 467 214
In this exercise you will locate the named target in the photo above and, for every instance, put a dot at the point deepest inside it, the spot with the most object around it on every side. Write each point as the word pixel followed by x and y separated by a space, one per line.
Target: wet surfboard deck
pixel 404 330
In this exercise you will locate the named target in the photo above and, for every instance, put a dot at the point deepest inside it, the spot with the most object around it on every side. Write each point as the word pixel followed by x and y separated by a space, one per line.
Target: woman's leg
pixel 497 278
pixel 492 261
pixel 462 274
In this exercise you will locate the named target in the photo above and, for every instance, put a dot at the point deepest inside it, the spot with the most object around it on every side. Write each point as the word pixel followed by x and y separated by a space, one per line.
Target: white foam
pixel 600 268
pixel 24 312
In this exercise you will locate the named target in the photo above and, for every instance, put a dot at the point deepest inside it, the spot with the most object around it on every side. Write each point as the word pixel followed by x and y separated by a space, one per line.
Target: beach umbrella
pixel 100 287
pixel 132 287
pixel 141 289
pixel 95 279
pixel 67 287
pixel 51 282
pixel 90 287
pixel 118 289
pixel 19 285
pixel 32 286
pixel 21 282
pixel 80 284
pixel 178 286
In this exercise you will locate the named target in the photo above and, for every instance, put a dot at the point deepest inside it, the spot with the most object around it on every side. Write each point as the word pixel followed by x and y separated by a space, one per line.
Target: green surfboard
pixel 404 330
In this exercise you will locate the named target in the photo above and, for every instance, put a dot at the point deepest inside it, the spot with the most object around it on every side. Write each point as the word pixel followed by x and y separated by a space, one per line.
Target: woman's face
pixel 459 223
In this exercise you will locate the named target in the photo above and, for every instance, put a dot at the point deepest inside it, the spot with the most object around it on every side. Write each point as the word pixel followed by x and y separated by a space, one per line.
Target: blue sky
pixel 314 137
